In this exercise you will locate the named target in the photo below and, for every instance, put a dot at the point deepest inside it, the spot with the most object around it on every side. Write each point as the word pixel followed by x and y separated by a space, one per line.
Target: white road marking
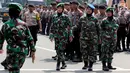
pixel 73 70
pixel 45 49
pixel 54 52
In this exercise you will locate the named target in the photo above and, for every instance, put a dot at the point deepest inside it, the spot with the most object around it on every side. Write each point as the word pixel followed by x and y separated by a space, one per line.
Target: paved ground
pixel 45 64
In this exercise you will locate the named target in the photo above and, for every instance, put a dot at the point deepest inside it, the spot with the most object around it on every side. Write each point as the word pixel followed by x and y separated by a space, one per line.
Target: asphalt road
pixel 45 64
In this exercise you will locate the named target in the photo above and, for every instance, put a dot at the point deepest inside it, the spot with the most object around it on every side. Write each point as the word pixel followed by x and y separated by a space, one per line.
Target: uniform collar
pixel 61 15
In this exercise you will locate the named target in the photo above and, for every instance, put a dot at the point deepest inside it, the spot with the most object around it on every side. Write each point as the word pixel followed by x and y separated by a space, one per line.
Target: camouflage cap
pixel 110 9
pixel 60 5
pixel 17 6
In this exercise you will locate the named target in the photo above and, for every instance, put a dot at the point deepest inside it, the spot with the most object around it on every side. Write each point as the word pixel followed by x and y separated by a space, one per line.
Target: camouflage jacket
pixel 17 35
pixel 61 27
pixel 89 29
pixel 109 29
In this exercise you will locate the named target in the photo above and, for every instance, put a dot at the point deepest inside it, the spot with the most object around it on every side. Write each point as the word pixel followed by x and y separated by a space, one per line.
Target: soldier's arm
pixel 30 40
pixel 52 29
pixel 98 29
pixel 69 27
pixel 2 38
pixel 102 25
pixel 115 31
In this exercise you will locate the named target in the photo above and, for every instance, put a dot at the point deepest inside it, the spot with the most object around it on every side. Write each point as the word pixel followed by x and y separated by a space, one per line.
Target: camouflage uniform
pixel 60 29
pixel 109 27
pixel 89 37
pixel 17 36
pixel 59 32
pixel 108 31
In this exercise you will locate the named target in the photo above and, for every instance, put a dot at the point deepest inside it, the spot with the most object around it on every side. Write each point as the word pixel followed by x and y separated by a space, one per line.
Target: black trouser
pixel 76 43
pixel 128 40
pixel 99 50
pixel 43 28
pixel 44 25
pixel 33 31
pixel 121 34
pixel 69 51
pixel 48 28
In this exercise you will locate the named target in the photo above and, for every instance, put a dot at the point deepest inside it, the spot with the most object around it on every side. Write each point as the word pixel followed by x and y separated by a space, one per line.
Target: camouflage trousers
pixel 88 51
pixel 60 55
pixel 107 51
pixel 14 61
pixel 60 46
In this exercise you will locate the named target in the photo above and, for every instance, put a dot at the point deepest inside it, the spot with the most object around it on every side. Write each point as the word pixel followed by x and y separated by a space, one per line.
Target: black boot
pixel 125 49
pixel 85 65
pixel 77 59
pixel 104 67
pixel 90 66
pixel 4 65
pixel 58 66
pixel 63 65
pixel 55 57
pixel 110 66
pixel 30 55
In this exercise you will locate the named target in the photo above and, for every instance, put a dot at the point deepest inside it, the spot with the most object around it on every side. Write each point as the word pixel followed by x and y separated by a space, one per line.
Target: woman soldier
pixel 109 28
pixel 17 35
pixel 60 31
pixel 89 37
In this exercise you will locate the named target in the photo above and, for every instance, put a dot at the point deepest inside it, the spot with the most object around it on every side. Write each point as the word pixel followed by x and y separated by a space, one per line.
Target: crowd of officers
pixel 80 32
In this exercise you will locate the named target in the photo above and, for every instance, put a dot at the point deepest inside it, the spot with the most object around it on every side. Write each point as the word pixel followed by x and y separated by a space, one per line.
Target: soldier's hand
pixel 51 40
pixel 71 39
pixel 99 42
pixel 33 57
pixel 1 51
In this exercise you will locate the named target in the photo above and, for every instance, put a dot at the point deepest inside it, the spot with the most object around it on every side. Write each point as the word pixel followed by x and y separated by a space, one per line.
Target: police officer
pixel 75 16
pixel 96 9
pixel 44 19
pixel 18 36
pixel 32 18
pixel 121 33
pixel 82 8
pixel 127 15
pixel 51 13
pixel 67 8
pixel 100 16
